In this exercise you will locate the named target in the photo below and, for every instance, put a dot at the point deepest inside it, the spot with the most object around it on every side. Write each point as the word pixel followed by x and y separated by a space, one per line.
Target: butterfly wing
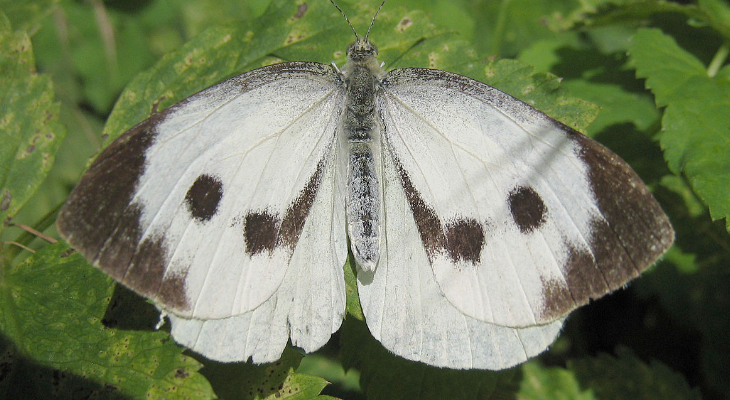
pixel 205 208
pixel 521 218
pixel 308 306
pixel 406 311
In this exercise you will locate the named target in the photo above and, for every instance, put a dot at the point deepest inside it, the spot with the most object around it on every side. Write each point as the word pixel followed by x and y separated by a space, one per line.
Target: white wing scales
pixel 227 207
pixel 228 210
pixel 506 204
pixel 307 306
pixel 406 311
pixel 244 143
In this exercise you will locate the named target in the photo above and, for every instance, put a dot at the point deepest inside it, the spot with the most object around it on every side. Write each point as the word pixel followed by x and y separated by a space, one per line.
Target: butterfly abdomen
pixel 364 198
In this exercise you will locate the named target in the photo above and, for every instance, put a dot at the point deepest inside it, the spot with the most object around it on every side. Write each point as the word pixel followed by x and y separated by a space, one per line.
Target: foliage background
pixel 655 79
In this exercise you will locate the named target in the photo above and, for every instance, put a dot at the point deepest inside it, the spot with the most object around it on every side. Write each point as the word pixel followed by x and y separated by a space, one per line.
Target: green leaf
pixel 29 128
pixel 719 9
pixel 540 383
pixel 665 65
pixel 618 106
pixel 27 15
pixel 542 91
pixel 353 306
pixel 404 39
pixel 51 310
pixel 596 13
pixel 627 377
pixel 276 380
pixel 506 27
pixel 331 369
pixel 605 377
pixel 696 140
pixel 696 124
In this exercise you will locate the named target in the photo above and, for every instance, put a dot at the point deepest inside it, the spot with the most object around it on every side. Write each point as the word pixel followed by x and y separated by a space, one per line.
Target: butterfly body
pixel 362 130
pixel 477 222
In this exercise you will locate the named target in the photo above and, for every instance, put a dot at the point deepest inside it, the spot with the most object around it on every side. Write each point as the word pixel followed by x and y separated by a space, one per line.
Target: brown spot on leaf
pixel 181 373
pixel 5 202
pixel 404 24
pixel 301 10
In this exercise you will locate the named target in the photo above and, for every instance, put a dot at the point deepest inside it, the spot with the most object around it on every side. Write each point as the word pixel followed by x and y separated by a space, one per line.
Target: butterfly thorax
pixel 361 76
pixel 361 73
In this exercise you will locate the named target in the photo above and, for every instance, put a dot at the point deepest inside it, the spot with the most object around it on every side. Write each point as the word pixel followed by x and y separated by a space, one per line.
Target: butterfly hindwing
pixel 406 311
pixel 205 207
pixel 308 306
pixel 521 218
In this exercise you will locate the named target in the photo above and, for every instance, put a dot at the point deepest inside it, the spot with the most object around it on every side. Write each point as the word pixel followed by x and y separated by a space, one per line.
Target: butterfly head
pixel 361 50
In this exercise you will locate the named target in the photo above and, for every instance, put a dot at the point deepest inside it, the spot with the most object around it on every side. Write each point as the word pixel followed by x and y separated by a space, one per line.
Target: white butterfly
pixel 477 222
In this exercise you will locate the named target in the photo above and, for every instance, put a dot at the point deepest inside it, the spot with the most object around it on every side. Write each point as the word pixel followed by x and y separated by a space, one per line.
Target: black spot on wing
pixel 297 212
pixel 115 255
pixel 557 300
pixel 147 268
pixel 203 197
pixel 527 208
pixel 260 232
pixel 429 224
pixel 264 231
pixel 462 240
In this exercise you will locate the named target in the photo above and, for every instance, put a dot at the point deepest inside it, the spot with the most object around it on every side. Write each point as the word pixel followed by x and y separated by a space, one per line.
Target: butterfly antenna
pixel 347 19
pixel 367 35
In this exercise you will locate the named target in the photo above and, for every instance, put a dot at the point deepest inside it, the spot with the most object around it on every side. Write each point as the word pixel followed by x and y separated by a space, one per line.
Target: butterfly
pixel 476 222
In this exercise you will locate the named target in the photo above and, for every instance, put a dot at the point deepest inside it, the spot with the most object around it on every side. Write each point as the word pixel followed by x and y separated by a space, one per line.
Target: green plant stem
pixel 499 28
pixel 10 252
pixel 718 60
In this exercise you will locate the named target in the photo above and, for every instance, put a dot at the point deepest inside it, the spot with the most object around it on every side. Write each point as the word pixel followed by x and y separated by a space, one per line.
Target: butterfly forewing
pixel 192 207
pixel 522 218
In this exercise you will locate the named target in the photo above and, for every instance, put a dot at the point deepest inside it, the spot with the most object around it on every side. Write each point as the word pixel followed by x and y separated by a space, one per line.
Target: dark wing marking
pixel 626 235
pixel 101 220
